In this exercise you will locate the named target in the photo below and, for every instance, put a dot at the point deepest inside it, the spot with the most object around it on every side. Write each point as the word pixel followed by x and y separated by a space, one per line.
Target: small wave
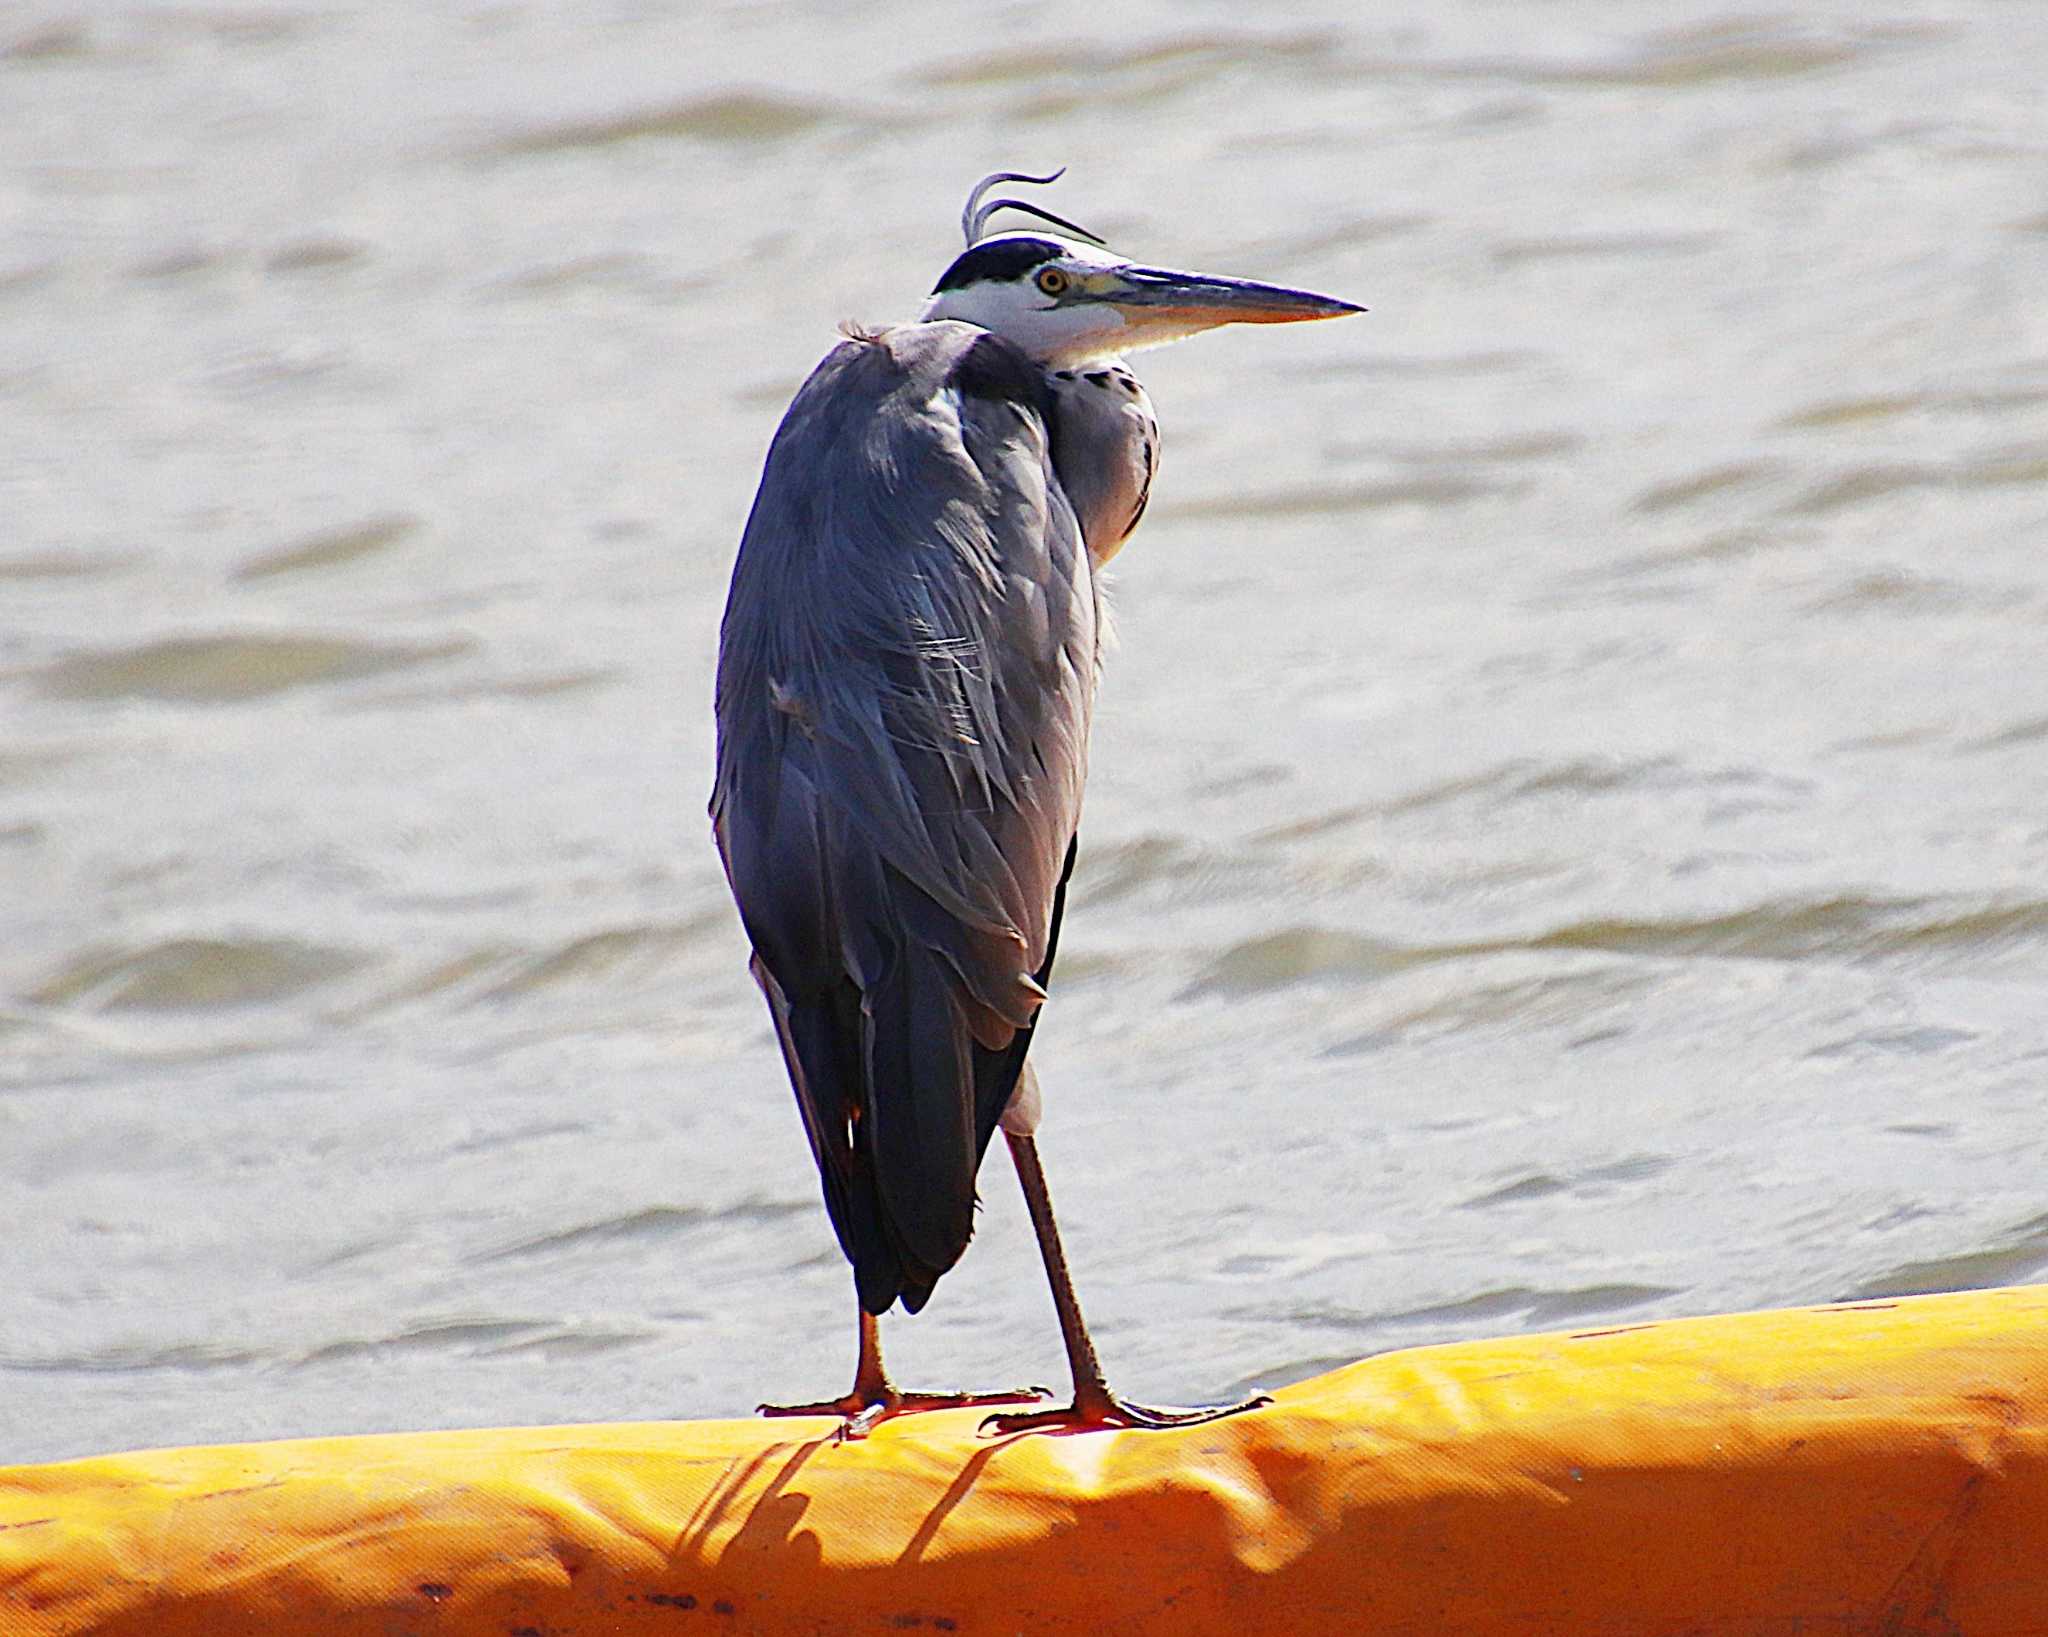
pixel 467 1336
pixel 130 1359
pixel 497 972
pixel 1922 1042
pixel 281 368
pixel 1831 412
pixel 1553 1001
pixel 574 1341
pixel 1298 955
pixel 654 1223
pixel 1500 361
pixel 1731 545
pixel 1540 1185
pixel 1537 1307
pixel 1069 64
pixel 626 270
pixel 1543 1184
pixel 183 261
pixel 1893 591
pixel 1512 448
pixel 1169 867
pixel 58 40
pixel 1846 928
pixel 2031 731
pixel 331 547
pixel 1337 499
pixel 1105 874
pixel 1709 484
pixel 2020 1259
pixel 67 565
pixel 743 117
pixel 538 685
pixel 461 971
pixel 1520 780
pixel 228 669
pixel 493 1141
pixel 1730 49
pixel 1841 929
pixel 189 974
pixel 1314 827
pixel 314 254
pixel 1997 469
pixel 1600 246
pixel 1433 796
pixel 603 956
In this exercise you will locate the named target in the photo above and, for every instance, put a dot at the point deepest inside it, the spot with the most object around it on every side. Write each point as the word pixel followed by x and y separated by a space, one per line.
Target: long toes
pixel 859 1414
pixel 970 1401
pixel 842 1407
pixel 1113 1414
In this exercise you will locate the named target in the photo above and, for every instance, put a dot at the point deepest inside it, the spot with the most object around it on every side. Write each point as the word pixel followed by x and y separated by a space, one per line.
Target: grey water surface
pixel 1568 837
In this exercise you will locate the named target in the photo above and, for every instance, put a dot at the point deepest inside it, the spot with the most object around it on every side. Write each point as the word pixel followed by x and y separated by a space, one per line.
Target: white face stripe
pixel 1048 330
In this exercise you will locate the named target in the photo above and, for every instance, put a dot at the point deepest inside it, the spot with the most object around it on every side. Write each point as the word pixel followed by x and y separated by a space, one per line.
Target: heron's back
pixel 905 675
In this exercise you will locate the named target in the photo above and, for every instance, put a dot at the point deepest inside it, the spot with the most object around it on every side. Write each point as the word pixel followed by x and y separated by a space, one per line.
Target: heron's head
pixel 1066 303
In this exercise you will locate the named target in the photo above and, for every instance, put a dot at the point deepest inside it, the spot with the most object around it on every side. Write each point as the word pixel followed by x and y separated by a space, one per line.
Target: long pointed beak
pixel 1199 301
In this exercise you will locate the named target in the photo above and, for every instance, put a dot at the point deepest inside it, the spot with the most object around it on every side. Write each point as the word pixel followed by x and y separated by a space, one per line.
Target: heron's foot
pixel 862 1410
pixel 1100 1410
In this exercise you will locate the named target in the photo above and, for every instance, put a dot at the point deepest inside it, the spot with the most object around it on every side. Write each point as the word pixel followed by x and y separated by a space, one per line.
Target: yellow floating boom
pixel 1880 1467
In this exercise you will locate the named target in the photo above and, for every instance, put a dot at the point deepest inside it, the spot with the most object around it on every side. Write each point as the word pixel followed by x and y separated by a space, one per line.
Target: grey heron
pixel 906 670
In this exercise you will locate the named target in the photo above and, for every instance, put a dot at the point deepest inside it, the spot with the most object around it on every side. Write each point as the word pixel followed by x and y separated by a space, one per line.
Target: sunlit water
pixel 1569 826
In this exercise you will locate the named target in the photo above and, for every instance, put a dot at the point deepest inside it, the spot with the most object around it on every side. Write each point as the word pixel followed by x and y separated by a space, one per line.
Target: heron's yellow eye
pixel 1052 281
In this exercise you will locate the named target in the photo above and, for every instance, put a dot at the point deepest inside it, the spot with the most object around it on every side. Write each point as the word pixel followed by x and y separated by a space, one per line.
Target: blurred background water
pixel 1568 839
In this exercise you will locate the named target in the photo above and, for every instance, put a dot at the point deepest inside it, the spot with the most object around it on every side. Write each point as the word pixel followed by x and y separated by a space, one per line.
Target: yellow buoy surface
pixel 1880 1467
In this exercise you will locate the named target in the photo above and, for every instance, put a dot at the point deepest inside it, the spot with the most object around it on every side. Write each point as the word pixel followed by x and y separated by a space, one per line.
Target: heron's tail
pixel 820 1038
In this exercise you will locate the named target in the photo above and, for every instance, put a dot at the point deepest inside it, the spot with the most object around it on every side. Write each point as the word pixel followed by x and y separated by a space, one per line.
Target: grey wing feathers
pixel 905 677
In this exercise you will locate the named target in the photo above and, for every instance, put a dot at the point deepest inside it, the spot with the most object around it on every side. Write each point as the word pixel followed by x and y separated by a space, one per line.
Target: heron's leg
pixel 1095 1407
pixel 875 1398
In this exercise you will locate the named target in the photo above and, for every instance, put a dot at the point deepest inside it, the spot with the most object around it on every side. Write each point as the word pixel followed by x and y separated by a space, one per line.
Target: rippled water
pixel 1569 830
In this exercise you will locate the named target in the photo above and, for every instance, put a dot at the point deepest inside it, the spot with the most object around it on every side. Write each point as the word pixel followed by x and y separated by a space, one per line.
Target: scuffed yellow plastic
pixel 1880 1467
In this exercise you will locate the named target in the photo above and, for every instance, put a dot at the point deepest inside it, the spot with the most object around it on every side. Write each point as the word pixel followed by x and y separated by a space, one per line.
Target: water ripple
pixel 655 1223
pixel 2020 1259
pixel 1995 470
pixel 1334 499
pixel 128 1358
pixel 330 547
pixel 1298 955
pixel 1848 929
pixel 231 668
pixel 1536 1306
pixel 1710 484
pixel 189 974
pixel 1579 247
pixel 1065 64
pixel 66 565
pixel 1593 1179
pixel 744 117
pixel 463 1336
pixel 1736 48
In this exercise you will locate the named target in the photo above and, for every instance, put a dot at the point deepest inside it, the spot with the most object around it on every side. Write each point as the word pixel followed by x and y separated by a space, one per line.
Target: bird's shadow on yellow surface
pixel 956 1492
pixel 771 1523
